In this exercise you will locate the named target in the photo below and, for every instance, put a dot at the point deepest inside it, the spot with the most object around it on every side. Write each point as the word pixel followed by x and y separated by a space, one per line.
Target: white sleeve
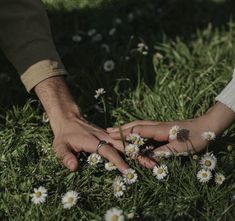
pixel 227 96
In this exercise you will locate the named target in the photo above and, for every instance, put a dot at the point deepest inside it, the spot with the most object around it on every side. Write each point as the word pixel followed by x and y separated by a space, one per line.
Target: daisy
pixel 165 154
pixel 135 139
pixel 173 132
pixel 91 32
pixel 97 38
pixel 208 135
pixel 69 199
pixel 204 175
pixel 94 159
pixel 109 65
pixel 229 148
pixel 132 150
pixel 160 171
pixel 208 161
pixel 99 92
pixel 77 38
pixel 110 166
pixel 130 176
pixel 39 195
pixel 219 178
pixel 142 48
pixel 112 31
pixel 114 214
pixel 118 187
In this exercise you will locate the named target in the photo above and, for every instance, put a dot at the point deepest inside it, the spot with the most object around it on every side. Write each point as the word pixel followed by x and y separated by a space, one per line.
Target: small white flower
pixel 118 187
pixel 184 154
pixel 118 21
pixel 142 48
pixel 94 159
pixel 160 171
pixel 91 32
pixel 110 166
pixel 39 195
pixel 164 154
pixel 208 135
pixel 135 139
pixel 45 118
pixel 99 92
pixel 132 150
pixel 97 38
pixel 109 65
pixel 204 175
pixel 77 38
pixel 105 47
pixel 112 31
pixel 130 176
pixel 208 161
pixel 173 132
pixel 219 178
pixel 114 214
pixel 69 199
pixel 131 215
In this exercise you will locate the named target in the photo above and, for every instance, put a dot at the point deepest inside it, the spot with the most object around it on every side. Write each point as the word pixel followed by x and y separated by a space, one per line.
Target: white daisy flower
pixel 135 139
pixel 173 132
pixel 219 178
pixel 105 47
pixel 208 161
pixel 114 214
pixel 94 159
pixel 142 48
pixel 204 175
pixel 110 166
pixel 132 150
pixel 160 171
pixel 45 118
pixel 230 148
pixel 69 199
pixel 118 21
pixel 109 65
pixel 97 38
pixel 208 135
pixel 77 38
pixel 130 176
pixel 91 32
pixel 164 154
pixel 118 187
pixel 39 195
pixel 99 92
pixel 112 31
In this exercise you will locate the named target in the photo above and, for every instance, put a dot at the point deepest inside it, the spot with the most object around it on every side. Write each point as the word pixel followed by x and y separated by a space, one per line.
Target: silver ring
pixel 100 144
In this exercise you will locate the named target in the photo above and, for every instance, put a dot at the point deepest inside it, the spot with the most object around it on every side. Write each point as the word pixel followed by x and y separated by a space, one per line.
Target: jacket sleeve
pixel 25 38
pixel 227 96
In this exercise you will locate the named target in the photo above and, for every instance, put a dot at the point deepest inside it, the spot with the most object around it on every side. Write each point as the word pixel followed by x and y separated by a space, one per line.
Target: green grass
pixel 197 62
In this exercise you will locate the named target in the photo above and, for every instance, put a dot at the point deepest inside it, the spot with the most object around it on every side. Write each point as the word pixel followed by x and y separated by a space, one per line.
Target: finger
pixel 146 162
pixel 112 155
pixel 65 154
pixel 132 124
pixel 157 132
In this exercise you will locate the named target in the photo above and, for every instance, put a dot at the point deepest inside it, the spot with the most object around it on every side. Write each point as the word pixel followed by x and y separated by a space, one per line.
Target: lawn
pixel 188 60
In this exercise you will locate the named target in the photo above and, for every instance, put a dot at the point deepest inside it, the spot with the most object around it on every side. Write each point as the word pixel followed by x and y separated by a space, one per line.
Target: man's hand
pixel 216 120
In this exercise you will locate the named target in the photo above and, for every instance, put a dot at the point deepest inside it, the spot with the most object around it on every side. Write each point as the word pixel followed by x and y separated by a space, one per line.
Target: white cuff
pixel 227 96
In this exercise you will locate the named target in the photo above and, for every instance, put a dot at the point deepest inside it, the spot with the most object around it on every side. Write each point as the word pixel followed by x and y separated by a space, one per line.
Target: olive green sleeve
pixel 25 38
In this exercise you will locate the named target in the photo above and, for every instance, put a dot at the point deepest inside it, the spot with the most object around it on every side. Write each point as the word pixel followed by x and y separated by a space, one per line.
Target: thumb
pixel 66 156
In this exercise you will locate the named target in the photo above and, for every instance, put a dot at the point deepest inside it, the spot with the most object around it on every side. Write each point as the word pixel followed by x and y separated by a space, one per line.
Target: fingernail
pixel 110 128
pixel 71 165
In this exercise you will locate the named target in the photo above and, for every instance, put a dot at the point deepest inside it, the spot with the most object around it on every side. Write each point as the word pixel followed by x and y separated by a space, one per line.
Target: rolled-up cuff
pixel 227 96
pixel 41 71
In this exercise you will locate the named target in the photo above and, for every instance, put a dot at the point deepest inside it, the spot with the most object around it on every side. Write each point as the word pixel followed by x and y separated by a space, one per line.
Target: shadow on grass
pixel 145 20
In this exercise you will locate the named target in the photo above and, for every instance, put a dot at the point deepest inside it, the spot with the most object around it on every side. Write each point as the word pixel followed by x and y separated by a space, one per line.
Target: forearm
pixel 57 101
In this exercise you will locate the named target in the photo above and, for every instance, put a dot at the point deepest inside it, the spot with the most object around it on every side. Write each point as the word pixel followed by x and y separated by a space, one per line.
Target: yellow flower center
pixel 38 194
pixel 204 175
pixel 117 188
pixel 114 218
pixel 93 160
pixel 208 163
pixel 160 171
pixel 70 200
pixel 130 176
pixel 132 149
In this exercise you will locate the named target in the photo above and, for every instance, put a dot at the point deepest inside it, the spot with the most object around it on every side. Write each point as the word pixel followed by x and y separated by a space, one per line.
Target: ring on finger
pixel 100 144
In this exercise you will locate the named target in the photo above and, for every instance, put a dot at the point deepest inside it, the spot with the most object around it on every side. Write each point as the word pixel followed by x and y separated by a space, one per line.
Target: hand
pixel 216 120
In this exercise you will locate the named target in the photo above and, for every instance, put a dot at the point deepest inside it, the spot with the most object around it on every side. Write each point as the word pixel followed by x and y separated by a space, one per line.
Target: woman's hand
pixel 216 120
